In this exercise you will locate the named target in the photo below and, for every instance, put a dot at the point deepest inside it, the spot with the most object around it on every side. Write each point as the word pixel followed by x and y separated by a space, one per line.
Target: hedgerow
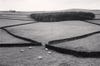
pixel 62 16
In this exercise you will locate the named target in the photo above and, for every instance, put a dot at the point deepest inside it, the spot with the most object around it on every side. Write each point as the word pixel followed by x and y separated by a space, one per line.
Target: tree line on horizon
pixel 62 16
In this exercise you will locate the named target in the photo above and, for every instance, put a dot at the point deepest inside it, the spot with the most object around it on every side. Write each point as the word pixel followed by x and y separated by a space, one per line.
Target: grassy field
pixel 45 32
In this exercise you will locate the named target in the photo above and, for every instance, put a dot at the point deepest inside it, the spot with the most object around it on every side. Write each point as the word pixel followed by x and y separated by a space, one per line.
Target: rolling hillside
pixel 45 32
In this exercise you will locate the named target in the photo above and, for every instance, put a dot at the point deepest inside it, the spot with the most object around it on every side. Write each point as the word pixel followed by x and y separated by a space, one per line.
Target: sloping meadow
pixel 53 26
pixel 46 30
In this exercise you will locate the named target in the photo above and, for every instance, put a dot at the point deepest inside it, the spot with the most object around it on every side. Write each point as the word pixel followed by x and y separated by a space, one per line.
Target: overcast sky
pixel 48 5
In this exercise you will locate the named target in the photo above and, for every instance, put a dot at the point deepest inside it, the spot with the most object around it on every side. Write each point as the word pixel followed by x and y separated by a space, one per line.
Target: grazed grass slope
pixel 13 56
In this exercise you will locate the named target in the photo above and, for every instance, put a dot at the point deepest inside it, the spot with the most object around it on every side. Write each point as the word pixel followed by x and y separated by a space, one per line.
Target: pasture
pixel 44 32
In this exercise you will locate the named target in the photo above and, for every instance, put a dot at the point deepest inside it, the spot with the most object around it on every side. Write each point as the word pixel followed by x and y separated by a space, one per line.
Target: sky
pixel 48 5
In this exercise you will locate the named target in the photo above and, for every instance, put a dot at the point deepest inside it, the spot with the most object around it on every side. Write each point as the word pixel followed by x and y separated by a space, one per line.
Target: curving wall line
pixel 22 38
pixel 80 54
pixel 73 38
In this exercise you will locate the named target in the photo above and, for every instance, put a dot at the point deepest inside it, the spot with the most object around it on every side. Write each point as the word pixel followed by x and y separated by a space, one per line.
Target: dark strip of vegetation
pixel 62 16
pixel 92 22
pixel 19 44
pixel 73 38
pixel 22 38
pixel 79 54
pixel 17 25
pixel 7 18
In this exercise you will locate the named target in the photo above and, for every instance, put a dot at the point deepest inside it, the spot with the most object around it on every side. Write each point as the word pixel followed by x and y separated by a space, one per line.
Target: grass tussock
pixel 62 16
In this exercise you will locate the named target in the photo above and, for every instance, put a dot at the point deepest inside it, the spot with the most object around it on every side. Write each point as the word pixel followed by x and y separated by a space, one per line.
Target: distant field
pixel 45 32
